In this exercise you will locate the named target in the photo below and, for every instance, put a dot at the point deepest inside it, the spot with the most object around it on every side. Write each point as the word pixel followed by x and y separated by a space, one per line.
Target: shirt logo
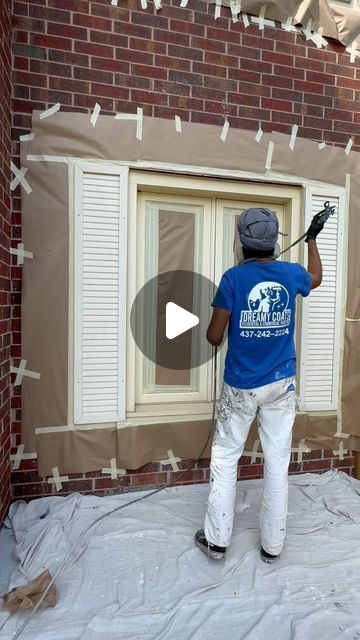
pixel 268 307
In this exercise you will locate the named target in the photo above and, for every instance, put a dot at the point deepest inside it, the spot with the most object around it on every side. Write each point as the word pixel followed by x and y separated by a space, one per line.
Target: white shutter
pixel 321 320
pixel 100 293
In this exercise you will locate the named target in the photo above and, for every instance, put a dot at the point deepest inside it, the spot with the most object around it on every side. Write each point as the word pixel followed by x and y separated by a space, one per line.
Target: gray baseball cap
pixel 258 229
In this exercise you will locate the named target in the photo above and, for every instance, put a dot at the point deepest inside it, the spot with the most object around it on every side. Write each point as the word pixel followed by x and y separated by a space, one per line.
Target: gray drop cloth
pixel 138 574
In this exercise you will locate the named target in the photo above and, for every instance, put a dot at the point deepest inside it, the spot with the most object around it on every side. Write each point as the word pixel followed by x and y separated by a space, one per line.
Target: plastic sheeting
pixel 138 575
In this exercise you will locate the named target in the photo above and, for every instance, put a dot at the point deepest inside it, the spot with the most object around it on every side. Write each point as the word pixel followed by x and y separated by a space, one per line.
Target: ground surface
pixel 138 576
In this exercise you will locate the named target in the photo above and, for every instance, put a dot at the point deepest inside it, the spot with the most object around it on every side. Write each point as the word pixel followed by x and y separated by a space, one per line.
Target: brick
pixel 149 71
pixel 246 76
pixel 316 465
pixel 156 21
pixel 111 39
pixel 173 63
pixel 348 83
pixel 276 105
pixel 336 114
pixel 30 79
pixel 28 24
pixel 92 22
pixel 28 51
pixel 187 27
pixel 184 102
pixel 54 15
pixel 108 483
pixel 140 57
pixel 289 72
pixel 93 49
pixel 144 479
pixel 256 65
pixel 288 118
pixel 346 462
pixel 219 107
pixel 50 42
pixel 185 52
pixel 243 52
pixel 277 81
pixel 181 477
pixel 139 96
pixel 110 65
pixel 176 88
pixel 322 78
pixel 93 75
pixel 210 94
pixel 79 6
pixel 311 65
pixel 221 59
pixel 64 84
pixel 309 87
pixel 214 33
pixel 147 45
pixel 251 471
pixel 68 58
pixel 289 96
pixel 133 30
pixel 50 68
pixel 278 58
pixel 309 110
pixel 110 91
pixel 257 42
pixel 185 78
pixel 205 44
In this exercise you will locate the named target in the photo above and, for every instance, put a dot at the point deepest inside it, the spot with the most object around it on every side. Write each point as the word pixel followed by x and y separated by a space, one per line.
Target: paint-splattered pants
pixel 274 407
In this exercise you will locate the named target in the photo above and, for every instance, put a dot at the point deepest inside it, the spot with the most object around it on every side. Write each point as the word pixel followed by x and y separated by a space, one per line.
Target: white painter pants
pixel 274 407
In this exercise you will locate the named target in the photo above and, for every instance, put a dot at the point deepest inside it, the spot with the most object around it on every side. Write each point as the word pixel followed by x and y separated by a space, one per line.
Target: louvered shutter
pixel 100 293
pixel 321 318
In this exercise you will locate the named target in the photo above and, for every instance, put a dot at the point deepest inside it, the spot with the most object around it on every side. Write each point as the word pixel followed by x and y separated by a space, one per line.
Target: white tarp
pixel 137 574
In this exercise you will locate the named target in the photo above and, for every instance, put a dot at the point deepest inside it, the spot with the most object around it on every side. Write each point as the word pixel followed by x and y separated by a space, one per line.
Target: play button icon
pixel 178 320
pixel 169 319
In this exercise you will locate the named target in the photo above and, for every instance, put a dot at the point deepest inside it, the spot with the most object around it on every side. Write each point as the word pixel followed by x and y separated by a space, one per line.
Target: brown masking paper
pixel 46 233
pixel 28 595
pixel 334 21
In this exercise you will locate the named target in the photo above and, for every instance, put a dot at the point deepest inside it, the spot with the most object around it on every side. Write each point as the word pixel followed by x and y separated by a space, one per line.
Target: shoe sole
pixel 215 555
pixel 269 560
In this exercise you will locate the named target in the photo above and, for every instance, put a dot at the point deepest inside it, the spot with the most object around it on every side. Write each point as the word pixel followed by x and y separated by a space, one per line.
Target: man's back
pixel 260 296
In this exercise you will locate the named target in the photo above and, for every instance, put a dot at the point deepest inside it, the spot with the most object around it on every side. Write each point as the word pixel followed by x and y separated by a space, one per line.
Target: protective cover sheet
pixel 334 21
pixel 137 574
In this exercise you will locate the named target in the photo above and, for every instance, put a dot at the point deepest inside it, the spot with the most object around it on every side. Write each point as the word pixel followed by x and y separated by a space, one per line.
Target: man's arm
pixel 314 263
pixel 217 326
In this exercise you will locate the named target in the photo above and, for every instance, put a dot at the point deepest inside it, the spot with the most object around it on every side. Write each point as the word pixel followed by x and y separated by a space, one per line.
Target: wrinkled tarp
pixel 137 574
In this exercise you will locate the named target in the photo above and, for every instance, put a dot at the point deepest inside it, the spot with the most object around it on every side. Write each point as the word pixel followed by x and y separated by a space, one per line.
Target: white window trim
pixel 80 169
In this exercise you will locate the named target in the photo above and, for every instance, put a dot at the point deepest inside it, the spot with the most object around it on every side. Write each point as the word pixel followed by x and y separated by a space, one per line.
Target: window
pixel 198 215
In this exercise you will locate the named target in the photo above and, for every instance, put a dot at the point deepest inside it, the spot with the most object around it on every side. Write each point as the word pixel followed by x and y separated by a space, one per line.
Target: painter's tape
pixel 18 457
pixel 27 137
pixel 50 112
pixel 178 124
pixel 225 130
pixel 352 319
pixel 353 50
pixel 21 371
pixel 114 472
pixel 21 254
pixel 139 124
pixel 19 178
pixel 235 7
pixel 341 451
pixel 322 145
pixel 259 135
pixel 269 155
pixel 288 25
pixel 218 9
pixel 56 479
pixel 171 460
pixel 157 5
pixel 293 136
pixel 245 19
pixel 183 3
pixel 348 146
pixel 262 17
pixel 301 450
pixel 114 3
pixel 143 4
pixel 95 114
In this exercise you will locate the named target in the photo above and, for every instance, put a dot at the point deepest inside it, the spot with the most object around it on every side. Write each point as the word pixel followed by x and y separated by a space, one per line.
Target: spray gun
pixel 319 218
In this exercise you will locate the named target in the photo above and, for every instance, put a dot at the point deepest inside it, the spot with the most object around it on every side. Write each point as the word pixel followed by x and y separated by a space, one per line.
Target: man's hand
pixel 317 225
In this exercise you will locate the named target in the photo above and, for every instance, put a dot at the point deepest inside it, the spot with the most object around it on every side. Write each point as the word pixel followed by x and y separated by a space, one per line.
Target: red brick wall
pixel 5 232
pixel 175 62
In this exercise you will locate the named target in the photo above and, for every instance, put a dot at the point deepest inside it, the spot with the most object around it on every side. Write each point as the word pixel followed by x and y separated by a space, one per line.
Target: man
pixel 257 299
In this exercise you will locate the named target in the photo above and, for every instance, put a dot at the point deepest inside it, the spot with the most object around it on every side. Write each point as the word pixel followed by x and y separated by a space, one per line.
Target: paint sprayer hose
pixel 123 506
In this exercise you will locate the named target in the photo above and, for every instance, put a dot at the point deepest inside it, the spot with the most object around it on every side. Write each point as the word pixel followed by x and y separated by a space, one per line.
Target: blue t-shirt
pixel 261 298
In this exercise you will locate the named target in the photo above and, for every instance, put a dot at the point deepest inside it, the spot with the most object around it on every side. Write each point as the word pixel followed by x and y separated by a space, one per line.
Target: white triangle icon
pixel 178 320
